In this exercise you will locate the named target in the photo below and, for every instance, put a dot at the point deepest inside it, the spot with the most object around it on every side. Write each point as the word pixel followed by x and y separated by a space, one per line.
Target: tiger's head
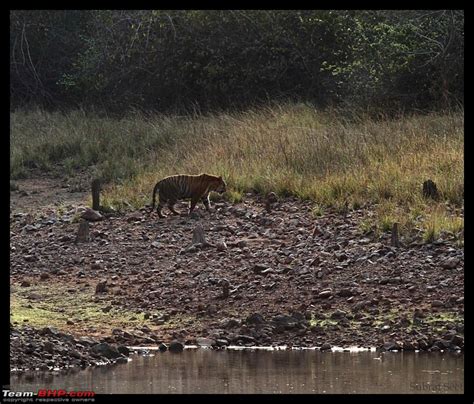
pixel 220 186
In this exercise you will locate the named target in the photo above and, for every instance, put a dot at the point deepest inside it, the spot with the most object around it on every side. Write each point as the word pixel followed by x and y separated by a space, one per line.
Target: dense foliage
pixel 182 59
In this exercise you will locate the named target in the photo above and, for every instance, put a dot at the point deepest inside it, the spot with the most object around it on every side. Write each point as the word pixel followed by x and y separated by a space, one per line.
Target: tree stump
pixel 430 190
pixel 95 194
pixel 345 209
pixel 101 287
pixel 395 240
pixel 225 288
pixel 199 241
pixel 198 236
pixel 269 199
pixel 83 233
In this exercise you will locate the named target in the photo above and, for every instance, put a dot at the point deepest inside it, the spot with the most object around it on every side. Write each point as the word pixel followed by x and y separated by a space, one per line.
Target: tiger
pixel 182 186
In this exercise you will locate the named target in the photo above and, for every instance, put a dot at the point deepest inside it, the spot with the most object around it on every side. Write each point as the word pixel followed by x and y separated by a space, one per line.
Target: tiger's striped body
pixel 194 187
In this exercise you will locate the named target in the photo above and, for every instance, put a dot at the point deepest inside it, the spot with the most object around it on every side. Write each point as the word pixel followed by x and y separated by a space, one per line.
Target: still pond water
pixel 263 371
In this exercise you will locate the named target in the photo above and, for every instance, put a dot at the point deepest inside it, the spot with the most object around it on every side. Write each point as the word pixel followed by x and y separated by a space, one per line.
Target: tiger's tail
pixel 154 197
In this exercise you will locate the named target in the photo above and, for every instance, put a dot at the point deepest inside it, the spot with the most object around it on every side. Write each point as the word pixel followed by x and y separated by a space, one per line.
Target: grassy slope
pixel 292 149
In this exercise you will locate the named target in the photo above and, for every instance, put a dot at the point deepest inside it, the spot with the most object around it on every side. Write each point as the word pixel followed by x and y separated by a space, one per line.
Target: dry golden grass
pixel 291 149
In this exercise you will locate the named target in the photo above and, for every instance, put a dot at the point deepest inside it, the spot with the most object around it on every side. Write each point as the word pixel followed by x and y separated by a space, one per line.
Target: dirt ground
pixel 46 192
pixel 283 277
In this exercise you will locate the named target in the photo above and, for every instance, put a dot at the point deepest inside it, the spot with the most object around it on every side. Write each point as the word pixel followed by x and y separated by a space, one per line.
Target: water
pixel 261 371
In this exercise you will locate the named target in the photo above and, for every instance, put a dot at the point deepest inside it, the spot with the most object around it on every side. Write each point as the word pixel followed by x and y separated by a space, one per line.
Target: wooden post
pixel 395 241
pixel 96 194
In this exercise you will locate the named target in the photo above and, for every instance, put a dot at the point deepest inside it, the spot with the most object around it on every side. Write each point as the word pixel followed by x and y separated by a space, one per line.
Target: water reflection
pixel 226 371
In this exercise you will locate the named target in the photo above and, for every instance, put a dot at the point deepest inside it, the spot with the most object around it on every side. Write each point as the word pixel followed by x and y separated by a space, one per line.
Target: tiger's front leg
pixel 207 203
pixel 192 205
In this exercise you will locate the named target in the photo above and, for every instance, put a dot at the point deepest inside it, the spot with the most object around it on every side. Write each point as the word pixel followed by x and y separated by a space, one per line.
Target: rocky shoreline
pixel 283 277
pixel 48 349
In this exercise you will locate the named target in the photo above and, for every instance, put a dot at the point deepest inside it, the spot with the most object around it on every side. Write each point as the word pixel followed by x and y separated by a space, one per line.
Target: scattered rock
pixel 269 264
pixel 259 268
pixel 162 347
pixel 30 258
pixel 205 342
pixel 391 346
pixel 221 246
pixel 48 346
pixel 221 342
pixel 255 318
pixel 457 340
pixel 106 350
pixel 409 346
pixel 244 338
pixel 344 293
pixel 338 314
pixel 123 350
pixel 283 322
pixel 450 263
pixel 242 243
pixel 176 346
pixel 91 215
pixel 49 331
pixel 231 323
pixel 325 294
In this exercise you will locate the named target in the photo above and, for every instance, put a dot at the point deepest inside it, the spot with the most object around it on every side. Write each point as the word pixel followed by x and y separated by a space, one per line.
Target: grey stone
pixel 91 215
pixel 205 342
pixel 162 347
pixel 255 318
pixel 106 350
pixel 325 294
pixel 176 346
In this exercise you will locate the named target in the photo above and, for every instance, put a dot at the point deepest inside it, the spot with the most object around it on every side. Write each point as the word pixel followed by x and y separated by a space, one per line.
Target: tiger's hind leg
pixel 160 207
pixel 171 207
pixel 158 210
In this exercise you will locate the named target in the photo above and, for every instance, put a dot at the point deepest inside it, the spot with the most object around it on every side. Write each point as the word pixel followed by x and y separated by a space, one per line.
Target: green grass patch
pixel 57 304
pixel 317 210
pixel 323 322
pixel 234 196
pixel 438 321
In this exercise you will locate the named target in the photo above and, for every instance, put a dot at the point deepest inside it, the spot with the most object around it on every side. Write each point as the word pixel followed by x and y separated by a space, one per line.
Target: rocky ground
pixel 283 277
